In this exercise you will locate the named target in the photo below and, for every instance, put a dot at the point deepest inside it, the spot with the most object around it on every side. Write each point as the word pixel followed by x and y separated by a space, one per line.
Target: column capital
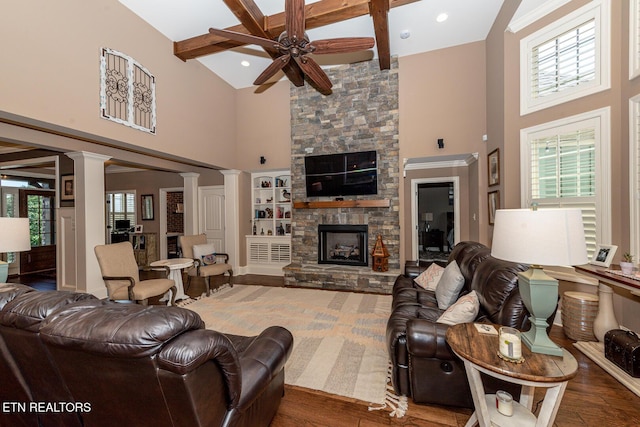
pixel 76 155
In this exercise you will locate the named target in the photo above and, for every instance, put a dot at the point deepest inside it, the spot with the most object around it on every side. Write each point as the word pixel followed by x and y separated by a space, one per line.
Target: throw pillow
pixel 462 311
pixel 429 278
pixel 205 253
pixel 449 286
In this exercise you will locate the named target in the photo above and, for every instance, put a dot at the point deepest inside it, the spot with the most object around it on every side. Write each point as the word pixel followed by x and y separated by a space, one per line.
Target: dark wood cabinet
pixel 433 239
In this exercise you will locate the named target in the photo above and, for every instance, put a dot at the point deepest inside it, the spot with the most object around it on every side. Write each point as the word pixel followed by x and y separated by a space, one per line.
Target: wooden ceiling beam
pixel 319 14
pixel 379 10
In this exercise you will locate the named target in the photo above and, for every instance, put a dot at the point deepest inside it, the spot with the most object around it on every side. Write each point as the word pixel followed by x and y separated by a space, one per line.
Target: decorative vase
pixel 626 267
pixel 606 318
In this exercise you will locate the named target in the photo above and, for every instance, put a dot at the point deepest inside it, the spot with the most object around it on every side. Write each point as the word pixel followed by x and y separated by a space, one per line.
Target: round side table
pixel 479 352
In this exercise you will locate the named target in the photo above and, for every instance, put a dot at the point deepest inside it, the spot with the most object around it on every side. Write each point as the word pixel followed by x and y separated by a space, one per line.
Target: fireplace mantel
pixel 382 203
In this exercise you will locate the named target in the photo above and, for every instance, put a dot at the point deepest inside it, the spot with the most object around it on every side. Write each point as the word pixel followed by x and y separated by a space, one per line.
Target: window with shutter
pixel 121 206
pixel 634 175
pixel 565 164
pixel 567 59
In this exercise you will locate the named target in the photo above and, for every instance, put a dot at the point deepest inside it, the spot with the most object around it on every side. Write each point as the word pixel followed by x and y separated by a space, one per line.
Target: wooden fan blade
pixel 272 69
pixel 245 38
pixel 295 74
pixel 294 19
pixel 314 72
pixel 342 45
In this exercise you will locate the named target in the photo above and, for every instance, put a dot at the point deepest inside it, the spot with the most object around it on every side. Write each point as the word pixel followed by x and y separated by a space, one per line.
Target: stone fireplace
pixel 343 244
pixel 360 115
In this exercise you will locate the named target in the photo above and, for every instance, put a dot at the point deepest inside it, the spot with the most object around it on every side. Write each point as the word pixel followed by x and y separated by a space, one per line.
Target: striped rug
pixel 339 337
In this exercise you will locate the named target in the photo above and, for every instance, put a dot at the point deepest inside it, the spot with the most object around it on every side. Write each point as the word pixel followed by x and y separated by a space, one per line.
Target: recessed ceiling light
pixel 442 17
pixel 405 34
pixel 245 63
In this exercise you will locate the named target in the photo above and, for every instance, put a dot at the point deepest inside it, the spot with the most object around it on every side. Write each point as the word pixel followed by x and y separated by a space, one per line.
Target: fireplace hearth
pixel 343 244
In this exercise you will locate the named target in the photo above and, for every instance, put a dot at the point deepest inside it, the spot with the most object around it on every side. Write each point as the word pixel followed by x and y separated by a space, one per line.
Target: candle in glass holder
pixel 504 403
pixel 510 343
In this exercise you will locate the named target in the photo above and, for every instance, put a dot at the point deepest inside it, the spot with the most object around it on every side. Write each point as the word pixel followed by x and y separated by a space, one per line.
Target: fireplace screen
pixel 343 244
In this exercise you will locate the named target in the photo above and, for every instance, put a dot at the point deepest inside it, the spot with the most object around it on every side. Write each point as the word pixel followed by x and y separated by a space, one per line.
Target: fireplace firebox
pixel 343 244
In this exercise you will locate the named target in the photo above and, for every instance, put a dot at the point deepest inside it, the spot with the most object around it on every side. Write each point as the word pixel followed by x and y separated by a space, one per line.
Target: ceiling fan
pixel 294 44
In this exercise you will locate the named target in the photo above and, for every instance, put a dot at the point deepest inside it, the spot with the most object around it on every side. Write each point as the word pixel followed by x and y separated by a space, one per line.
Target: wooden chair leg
pixel 231 278
pixel 186 287
pixel 207 282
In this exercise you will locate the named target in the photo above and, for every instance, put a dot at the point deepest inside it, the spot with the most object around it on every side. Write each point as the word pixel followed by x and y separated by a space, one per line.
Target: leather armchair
pixel 423 366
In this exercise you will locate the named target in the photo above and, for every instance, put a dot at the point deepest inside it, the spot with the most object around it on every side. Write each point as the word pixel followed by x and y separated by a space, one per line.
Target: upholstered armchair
pixel 121 275
pixel 206 261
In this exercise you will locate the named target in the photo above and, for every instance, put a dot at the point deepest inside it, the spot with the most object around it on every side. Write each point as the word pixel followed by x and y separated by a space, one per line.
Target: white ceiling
pixel 469 21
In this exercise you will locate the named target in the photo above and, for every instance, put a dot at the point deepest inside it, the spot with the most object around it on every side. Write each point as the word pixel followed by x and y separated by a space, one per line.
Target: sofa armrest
pixel 426 339
pixel 412 269
pixel 196 347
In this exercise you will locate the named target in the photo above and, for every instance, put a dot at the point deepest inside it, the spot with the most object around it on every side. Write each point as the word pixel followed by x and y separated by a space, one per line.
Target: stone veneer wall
pixel 361 114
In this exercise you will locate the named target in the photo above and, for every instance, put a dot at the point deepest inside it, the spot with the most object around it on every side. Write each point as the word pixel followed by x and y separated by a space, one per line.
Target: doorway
pixel 435 217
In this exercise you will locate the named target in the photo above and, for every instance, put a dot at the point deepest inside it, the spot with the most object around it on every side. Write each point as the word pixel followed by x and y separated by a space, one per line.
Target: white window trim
pixel 603 164
pixel 135 203
pixel 634 175
pixel 634 39
pixel 600 10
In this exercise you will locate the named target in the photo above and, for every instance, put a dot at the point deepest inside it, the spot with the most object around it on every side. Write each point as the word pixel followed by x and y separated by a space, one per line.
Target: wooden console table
pixel 602 275
pixel 479 352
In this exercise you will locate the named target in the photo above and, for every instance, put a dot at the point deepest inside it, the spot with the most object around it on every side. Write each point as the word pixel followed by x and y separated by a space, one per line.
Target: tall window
pixel 634 175
pixel 566 164
pixel 567 59
pixel 121 206
pixel 38 206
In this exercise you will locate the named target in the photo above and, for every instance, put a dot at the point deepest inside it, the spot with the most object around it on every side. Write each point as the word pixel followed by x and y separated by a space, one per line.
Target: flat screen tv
pixel 344 174
pixel 123 224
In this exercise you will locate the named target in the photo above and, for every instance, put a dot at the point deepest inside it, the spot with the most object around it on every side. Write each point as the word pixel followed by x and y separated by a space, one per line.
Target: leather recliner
pixel 423 366
pixel 127 364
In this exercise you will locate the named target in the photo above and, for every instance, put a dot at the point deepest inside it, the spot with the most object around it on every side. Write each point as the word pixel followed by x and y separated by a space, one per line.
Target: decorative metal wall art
pixel 127 91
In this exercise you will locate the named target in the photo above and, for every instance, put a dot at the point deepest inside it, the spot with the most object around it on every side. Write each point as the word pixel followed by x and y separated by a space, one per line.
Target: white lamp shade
pixel 427 216
pixel 542 237
pixel 14 235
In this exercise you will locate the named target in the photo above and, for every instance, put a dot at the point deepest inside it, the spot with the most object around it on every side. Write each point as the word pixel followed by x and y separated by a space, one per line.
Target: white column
pixel 231 216
pixel 190 196
pixel 89 193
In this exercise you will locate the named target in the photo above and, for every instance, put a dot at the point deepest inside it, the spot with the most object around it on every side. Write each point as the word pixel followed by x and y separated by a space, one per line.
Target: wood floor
pixel 593 397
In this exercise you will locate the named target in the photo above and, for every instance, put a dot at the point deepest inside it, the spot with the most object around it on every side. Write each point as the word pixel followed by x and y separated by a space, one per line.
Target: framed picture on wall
pixel 494 205
pixel 493 166
pixel 67 190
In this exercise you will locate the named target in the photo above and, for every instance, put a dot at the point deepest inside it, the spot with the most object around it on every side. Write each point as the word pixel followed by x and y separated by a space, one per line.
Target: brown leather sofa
pixel 127 364
pixel 424 367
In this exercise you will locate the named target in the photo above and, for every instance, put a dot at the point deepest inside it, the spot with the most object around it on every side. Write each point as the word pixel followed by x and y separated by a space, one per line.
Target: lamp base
pixel 540 295
pixel 4 271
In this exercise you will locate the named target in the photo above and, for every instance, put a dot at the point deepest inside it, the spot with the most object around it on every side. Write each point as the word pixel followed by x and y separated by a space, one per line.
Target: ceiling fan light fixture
pixel 442 17
pixel 405 34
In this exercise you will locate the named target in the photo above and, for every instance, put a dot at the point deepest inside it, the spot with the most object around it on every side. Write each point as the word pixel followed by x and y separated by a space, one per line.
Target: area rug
pixel 339 337
pixel 595 352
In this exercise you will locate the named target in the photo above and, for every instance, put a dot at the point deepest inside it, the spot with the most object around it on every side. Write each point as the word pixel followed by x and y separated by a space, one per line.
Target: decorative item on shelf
pixel 281 182
pixel 280 230
pixel 255 229
pixel 605 319
pixel 504 403
pixel 603 255
pixel 279 212
pixel 262 231
pixel 286 196
pixel 550 237
pixel 287 229
pixel 270 199
pixel 427 217
pixel 269 212
pixel 380 256
pixel 626 265
pixel 287 214
pixel 15 238
pixel 269 233
pixel 266 184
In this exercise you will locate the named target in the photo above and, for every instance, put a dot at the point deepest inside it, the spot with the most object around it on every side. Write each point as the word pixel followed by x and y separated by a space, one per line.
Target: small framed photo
pixel 67 190
pixel 493 166
pixel 603 255
pixel 494 205
pixel 138 229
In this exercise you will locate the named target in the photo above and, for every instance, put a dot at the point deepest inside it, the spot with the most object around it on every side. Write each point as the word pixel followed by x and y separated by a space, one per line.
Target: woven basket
pixel 579 310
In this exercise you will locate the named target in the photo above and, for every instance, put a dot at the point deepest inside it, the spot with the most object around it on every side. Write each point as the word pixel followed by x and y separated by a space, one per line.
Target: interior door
pixel 10 209
pixel 211 215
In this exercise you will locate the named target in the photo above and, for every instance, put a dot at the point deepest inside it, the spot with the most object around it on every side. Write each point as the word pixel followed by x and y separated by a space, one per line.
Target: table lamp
pixel 427 217
pixel 14 237
pixel 550 237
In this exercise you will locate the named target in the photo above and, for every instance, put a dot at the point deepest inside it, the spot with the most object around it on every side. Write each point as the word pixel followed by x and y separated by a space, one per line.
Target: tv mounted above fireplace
pixel 343 174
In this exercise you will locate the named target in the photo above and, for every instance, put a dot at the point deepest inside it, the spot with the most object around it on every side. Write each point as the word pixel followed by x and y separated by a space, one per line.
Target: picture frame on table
pixel 493 199
pixel 603 255
pixel 493 167
pixel 67 187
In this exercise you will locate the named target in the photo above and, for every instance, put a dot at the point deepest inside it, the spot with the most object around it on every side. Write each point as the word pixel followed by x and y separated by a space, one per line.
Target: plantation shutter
pixel 563 175
pixel 121 206
pixel 565 61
